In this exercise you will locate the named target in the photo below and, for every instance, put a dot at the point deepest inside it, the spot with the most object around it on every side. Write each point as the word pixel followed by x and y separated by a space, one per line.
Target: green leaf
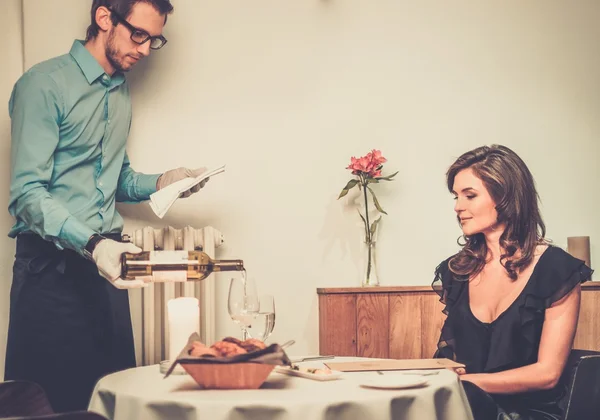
pixel 365 223
pixel 373 181
pixel 374 226
pixel 389 177
pixel 351 184
pixel 376 202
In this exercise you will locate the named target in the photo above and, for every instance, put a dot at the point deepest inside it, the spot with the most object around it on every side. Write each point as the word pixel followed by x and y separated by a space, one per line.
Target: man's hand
pixel 178 174
pixel 107 256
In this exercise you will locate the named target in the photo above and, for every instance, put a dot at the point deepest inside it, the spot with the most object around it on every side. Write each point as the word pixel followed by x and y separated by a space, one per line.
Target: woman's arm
pixel 558 333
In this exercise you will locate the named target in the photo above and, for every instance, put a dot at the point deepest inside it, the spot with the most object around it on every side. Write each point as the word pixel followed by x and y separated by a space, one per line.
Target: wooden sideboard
pixel 405 322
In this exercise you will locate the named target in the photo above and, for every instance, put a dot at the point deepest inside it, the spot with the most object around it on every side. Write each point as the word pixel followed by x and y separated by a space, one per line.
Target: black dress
pixel 512 340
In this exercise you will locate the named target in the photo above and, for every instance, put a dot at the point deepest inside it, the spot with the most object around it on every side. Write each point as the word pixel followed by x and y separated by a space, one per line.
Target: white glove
pixel 178 174
pixel 107 256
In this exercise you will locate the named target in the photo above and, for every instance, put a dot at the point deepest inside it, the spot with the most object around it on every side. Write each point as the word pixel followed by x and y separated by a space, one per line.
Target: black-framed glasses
pixel 139 36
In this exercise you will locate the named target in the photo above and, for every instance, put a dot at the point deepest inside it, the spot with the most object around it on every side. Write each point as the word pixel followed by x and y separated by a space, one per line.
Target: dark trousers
pixel 68 325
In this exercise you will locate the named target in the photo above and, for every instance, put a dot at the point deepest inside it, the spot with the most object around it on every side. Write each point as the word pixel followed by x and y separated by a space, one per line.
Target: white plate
pixel 394 382
pixel 335 374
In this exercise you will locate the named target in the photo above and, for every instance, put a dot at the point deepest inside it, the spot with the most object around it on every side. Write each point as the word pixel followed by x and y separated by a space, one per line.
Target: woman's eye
pixel 470 197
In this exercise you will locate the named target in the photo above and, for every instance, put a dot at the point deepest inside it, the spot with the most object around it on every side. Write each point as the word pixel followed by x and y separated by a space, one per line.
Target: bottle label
pixel 169 257
pixel 175 257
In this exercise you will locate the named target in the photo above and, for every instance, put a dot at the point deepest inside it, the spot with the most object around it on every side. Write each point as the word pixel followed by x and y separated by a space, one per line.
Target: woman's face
pixel 475 208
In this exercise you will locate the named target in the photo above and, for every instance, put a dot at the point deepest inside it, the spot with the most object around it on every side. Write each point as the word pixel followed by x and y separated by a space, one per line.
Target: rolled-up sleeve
pixel 36 108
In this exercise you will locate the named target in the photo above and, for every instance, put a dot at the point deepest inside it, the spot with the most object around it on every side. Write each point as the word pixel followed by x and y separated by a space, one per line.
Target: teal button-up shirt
pixel 69 126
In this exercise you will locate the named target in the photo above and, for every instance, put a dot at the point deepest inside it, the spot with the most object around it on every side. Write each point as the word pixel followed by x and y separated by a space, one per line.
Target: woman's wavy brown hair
pixel 511 186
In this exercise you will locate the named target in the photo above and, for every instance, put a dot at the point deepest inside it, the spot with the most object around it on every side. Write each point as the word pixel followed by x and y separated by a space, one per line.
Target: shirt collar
pixel 90 67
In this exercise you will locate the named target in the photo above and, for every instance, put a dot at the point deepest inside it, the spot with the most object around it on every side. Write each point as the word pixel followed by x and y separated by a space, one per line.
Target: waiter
pixel 70 118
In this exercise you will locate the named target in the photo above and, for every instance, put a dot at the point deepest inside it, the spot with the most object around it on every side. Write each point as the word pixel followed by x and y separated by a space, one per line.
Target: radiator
pixel 153 309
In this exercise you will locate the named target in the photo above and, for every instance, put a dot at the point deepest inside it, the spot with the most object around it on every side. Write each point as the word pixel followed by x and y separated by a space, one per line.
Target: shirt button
pixel 108 122
pixel 100 183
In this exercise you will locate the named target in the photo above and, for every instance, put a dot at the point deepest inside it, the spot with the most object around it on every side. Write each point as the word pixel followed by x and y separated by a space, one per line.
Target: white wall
pixel 10 70
pixel 285 92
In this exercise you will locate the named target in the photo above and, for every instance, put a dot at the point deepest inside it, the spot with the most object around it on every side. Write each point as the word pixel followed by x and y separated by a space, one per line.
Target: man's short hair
pixel 123 8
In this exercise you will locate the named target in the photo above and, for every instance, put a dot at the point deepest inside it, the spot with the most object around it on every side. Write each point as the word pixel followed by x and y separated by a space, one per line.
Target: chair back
pixel 74 415
pixel 582 378
pixel 23 398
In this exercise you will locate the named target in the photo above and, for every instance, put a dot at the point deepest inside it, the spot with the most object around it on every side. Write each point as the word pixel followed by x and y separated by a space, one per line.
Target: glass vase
pixel 370 273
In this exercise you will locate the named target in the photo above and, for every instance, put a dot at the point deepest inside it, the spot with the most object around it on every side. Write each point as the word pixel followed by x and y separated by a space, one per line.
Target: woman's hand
pixel 463 375
pixel 459 371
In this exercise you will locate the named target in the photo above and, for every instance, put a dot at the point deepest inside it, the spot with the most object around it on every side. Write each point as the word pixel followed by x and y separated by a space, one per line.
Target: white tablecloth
pixel 142 393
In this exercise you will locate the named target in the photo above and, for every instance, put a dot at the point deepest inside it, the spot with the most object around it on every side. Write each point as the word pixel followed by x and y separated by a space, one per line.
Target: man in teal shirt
pixel 70 117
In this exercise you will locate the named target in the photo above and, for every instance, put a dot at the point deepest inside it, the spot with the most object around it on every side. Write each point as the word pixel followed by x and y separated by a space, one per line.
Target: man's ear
pixel 103 18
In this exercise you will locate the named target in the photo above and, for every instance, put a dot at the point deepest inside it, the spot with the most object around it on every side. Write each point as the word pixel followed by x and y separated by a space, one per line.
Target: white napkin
pixel 162 200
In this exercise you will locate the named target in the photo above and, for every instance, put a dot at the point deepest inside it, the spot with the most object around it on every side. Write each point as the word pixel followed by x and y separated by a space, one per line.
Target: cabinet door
pixel 431 326
pixel 588 328
pixel 372 318
pixel 416 320
pixel 405 325
pixel 337 324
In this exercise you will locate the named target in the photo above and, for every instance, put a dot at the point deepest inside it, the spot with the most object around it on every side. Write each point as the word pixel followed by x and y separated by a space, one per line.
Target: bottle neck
pixel 228 265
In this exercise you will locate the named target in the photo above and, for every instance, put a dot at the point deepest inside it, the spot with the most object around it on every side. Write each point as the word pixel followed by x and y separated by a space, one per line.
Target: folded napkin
pixel 162 200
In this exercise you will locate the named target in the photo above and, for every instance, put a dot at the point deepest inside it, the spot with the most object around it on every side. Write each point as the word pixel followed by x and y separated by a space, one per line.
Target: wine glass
pixel 264 321
pixel 242 302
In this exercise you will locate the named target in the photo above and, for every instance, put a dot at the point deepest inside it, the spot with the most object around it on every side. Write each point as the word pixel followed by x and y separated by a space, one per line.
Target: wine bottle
pixel 197 265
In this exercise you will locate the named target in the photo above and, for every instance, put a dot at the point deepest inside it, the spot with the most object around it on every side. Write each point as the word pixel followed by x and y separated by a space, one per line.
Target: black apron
pixel 68 325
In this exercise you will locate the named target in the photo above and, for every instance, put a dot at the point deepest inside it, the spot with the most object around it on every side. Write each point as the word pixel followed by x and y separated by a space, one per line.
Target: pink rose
pixel 368 168
pixel 376 157
pixel 359 165
pixel 370 164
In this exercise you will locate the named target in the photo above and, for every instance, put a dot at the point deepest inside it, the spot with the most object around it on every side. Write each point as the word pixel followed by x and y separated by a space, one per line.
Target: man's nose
pixel 144 49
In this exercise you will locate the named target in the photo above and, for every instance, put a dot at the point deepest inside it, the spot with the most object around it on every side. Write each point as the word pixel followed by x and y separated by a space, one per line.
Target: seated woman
pixel 512 299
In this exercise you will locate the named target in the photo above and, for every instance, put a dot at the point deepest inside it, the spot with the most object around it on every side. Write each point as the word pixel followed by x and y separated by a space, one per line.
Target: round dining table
pixel 143 393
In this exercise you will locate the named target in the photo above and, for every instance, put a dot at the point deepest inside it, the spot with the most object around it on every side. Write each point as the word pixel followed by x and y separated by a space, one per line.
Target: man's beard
pixel 112 55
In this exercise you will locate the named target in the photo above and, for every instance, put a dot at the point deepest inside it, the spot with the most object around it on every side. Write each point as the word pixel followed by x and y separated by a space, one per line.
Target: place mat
pixel 393 364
